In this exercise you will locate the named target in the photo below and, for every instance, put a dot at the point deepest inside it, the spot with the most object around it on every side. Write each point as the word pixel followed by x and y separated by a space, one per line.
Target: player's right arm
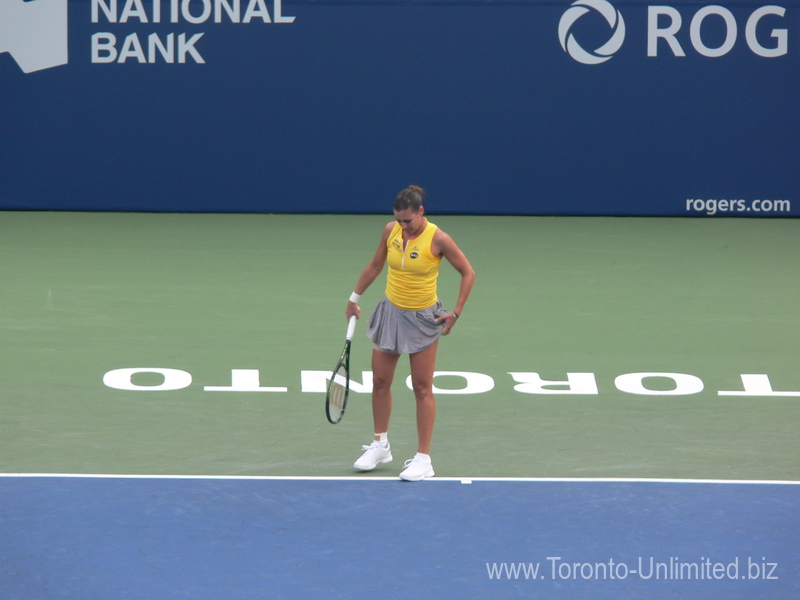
pixel 371 272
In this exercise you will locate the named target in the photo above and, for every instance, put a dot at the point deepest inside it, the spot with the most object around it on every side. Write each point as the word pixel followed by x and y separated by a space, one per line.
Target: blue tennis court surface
pixel 225 538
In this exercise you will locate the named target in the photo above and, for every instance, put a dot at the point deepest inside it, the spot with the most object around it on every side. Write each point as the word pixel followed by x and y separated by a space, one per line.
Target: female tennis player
pixel 408 320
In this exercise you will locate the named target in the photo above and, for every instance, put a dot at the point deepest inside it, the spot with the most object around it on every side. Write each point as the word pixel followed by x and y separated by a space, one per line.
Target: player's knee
pixel 423 392
pixel 381 383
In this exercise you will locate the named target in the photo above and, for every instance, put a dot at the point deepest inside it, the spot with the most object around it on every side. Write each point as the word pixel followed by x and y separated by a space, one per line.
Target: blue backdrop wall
pixel 501 107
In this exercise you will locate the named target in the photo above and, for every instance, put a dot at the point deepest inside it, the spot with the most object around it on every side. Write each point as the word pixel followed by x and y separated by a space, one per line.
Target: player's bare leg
pixel 379 452
pixel 384 365
pixel 423 365
pixel 422 368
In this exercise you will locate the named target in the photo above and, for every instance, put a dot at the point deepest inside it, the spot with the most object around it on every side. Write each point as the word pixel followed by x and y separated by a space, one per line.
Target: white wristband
pixel 355 297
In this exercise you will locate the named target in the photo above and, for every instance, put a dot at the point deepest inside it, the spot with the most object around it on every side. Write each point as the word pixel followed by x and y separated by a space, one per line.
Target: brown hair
pixel 411 197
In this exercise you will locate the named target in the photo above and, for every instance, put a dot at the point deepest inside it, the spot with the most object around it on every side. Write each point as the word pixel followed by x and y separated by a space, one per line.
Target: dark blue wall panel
pixel 336 111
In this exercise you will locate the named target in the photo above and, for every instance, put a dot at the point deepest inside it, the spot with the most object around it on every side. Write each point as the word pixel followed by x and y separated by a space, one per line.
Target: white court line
pixel 395 479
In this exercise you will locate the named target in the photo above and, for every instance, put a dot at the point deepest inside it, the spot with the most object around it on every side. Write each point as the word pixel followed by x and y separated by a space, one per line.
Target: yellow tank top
pixel 413 269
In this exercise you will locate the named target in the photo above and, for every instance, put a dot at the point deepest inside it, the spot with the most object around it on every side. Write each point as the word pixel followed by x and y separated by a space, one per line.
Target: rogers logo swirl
pixel 571 46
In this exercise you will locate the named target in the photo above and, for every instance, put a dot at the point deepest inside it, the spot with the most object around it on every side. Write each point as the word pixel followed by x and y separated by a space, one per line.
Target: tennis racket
pixel 339 385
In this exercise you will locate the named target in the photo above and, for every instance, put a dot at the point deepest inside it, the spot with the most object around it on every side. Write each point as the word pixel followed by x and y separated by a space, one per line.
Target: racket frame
pixel 344 361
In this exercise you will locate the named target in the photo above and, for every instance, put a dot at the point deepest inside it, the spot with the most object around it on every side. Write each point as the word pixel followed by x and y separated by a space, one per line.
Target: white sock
pixel 426 458
pixel 383 438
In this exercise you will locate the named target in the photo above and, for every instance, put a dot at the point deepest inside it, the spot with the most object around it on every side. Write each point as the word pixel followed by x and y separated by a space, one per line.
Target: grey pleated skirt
pixel 400 331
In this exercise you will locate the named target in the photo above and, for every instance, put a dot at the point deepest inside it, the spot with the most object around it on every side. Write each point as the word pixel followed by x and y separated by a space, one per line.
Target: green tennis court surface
pixel 680 335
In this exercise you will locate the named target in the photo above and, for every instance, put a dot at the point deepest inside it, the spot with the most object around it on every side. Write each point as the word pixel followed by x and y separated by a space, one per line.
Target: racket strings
pixel 338 393
pixel 337 397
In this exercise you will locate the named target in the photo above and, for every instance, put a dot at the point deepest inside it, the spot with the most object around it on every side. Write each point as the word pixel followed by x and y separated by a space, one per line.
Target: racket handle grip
pixel 351 328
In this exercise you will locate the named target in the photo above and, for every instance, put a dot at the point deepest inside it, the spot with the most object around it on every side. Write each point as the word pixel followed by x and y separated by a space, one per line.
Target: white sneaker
pixel 376 453
pixel 417 469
